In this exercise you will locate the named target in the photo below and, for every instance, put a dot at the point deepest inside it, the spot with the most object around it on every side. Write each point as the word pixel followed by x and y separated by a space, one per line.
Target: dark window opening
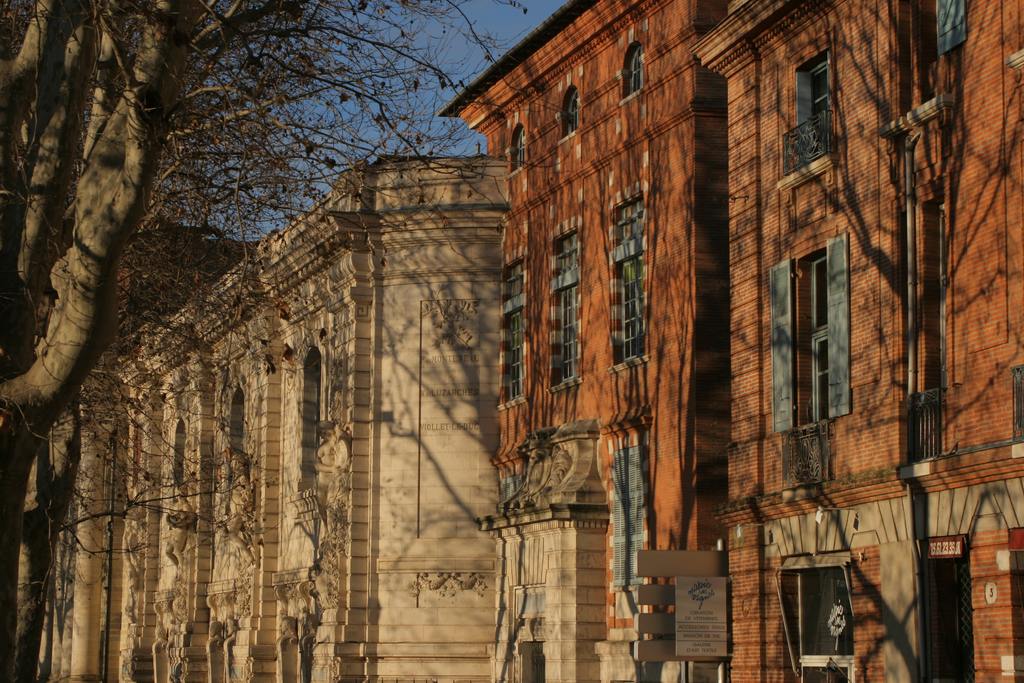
pixel 633 71
pixel 570 112
pixel 178 463
pixel 236 434
pixel 812 338
pixel 310 412
pixel 927 51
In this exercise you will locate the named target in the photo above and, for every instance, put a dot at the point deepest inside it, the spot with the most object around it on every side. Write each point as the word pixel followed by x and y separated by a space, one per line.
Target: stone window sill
pixel 518 400
pixel 816 168
pixel 629 363
pixel 568 137
pixel 630 97
pixel 565 385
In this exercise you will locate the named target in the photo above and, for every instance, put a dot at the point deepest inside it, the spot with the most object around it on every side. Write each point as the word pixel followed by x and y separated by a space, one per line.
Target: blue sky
pixel 507 24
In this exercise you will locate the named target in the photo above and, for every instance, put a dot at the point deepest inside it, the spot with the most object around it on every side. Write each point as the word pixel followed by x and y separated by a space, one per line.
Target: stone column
pixel 87 629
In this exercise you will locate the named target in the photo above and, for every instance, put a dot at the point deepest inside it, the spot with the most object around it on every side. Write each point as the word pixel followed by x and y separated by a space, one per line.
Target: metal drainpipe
pixel 910 191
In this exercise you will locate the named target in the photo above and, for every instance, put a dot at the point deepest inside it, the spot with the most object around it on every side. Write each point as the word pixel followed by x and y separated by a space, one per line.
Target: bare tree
pixel 126 120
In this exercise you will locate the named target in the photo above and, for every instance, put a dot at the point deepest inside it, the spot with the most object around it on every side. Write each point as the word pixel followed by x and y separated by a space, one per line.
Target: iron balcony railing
pixel 806 454
pixel 808 141
pixel 1018 402
pixel 924 424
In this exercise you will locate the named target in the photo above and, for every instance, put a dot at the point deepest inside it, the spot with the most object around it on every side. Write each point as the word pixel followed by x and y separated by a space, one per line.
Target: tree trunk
pixel 53 486
pixel 17 448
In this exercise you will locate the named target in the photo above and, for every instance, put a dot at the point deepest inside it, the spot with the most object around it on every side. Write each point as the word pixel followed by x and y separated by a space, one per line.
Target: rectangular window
pixel 512 308
pixel 627 513
pixel 818 619
pixel 632 276
pixel 810 341
pixel 565 287
pixel 812 136
pixel 629 266
pixel 812 88
pixel 818 408
pixel 629 224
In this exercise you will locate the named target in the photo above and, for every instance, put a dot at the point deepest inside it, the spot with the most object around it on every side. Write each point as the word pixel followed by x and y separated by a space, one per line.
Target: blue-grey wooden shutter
pixel 952 20
pixel 782 345
pixel 636 508
pixel 838 325
pixel 803 96
pixel 620 481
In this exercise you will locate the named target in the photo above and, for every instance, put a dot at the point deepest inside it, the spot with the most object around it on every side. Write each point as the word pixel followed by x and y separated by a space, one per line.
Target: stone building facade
pixel 615 396
pixel 876 264
pixel 313 476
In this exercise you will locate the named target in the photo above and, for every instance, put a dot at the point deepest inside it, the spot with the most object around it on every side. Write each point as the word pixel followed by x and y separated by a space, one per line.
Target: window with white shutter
pixel 627 513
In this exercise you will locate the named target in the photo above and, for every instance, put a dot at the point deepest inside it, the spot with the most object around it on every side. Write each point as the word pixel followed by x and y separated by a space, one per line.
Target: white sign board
pixel 702 619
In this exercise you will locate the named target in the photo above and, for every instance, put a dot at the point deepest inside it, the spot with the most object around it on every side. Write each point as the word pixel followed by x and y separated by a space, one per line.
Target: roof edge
pixel 534 40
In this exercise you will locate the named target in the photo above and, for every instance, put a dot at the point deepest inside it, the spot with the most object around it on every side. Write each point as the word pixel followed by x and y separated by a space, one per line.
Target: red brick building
pixel 875 498
pixel 615 321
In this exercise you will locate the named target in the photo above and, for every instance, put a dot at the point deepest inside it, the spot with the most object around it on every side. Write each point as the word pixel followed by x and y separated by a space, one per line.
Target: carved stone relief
pixel 560 466
pixel 334 492
pixel 448 584
pixel 238 527
pixel 298 620
pixel 135 541
pixel 452 320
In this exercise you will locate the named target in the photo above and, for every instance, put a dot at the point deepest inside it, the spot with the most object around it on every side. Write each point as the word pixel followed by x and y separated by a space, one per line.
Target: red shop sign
pixel 946 546
pixel 1016 539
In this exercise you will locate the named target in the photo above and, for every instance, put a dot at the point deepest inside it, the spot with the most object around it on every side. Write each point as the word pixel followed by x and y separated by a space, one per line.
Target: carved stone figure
pixel 334 486
pixel 182 523
pixel 135 557
pixel 241 512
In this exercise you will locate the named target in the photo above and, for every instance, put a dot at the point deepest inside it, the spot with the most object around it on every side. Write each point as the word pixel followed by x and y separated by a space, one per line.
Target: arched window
pixel 517 151
pixel 570 111
pixel 310 410
pixel 236 433
pixel 178 463
pixel 633 70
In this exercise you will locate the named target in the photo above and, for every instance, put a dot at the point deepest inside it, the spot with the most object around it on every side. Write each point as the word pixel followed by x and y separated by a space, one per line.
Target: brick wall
pixel 667 144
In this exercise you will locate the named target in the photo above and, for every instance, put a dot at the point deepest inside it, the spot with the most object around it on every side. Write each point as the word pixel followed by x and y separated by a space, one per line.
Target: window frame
pixel 628 235
pixel 570 113
pixel 565 288
pixel 809 94
pixel 513 303
pixel 791 333
pixel 633 70
pixel 517 148
pixel 818 267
